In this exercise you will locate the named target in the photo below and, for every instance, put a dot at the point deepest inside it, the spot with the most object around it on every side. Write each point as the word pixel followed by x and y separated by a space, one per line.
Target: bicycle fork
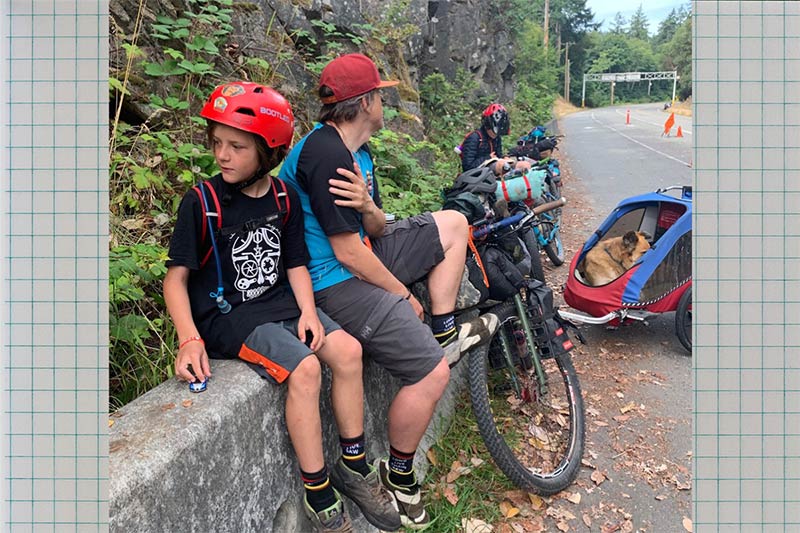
pixel 509 348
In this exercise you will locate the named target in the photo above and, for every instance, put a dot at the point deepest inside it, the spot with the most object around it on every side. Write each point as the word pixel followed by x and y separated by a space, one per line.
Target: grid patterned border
pixel 747 282
pixel 55 362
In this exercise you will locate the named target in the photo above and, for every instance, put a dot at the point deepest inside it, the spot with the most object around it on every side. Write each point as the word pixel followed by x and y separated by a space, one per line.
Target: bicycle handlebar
pixel 523 217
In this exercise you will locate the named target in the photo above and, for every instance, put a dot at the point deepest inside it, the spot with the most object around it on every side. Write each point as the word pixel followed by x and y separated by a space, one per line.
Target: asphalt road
pixel 637 379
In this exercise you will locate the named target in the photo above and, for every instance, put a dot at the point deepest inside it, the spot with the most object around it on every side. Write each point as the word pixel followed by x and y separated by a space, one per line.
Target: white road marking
pixel 640 143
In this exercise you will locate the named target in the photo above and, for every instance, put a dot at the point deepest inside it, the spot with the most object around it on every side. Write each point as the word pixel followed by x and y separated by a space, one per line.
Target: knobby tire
pixel 537 270
pixel 558 468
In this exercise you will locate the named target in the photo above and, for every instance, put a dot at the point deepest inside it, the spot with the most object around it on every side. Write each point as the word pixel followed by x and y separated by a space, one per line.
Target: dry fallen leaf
pixel 587 520
pixel 562 526
pixel 451 495
pixel 575 498
pixel 473 525
pixel 598 477
pixel 187 403
pixel 536 501
pixel 661 497
pixel 432 457
pixel 168 406
pixel 455 472
pixel 687 524
pixel 110 422
pixel 625 408
pixel 476 461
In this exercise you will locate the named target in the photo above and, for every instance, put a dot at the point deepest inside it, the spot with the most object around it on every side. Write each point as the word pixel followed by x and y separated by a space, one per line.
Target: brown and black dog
pixel 611 258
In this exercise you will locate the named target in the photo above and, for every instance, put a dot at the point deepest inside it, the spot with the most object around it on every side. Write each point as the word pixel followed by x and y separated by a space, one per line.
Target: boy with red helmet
pixel 242 232
pixel 486 145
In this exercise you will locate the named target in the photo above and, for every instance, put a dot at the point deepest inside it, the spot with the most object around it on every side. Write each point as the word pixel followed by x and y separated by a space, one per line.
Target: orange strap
pixel 367 243
pixel 471 244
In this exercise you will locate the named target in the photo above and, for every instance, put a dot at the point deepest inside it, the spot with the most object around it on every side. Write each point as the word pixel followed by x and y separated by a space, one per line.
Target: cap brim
pixel 383 84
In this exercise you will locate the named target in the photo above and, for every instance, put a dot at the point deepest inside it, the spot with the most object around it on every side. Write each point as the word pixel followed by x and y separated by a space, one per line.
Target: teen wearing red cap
pixel 364 289
pixel 252 251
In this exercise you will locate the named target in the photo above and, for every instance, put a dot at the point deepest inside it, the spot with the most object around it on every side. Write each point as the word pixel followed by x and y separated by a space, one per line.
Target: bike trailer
pixel 656 282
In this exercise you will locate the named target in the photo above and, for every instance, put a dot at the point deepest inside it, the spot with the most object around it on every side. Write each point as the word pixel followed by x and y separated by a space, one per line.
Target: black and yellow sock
pixel 401 468
pixel 319 491
pixel 444 328
pixel 353 454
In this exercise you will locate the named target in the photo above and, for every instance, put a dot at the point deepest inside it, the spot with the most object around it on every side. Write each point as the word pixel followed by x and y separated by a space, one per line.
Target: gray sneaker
pixel 408 501
pixel 331 520
pixel 477 331
pixel 368 493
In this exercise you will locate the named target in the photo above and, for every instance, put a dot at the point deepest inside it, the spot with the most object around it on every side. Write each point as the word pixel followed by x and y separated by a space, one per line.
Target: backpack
pixel 460 147
pixel 472 193
pixel 217 214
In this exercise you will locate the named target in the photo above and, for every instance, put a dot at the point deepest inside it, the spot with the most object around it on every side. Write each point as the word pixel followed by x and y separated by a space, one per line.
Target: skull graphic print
pixel 255 256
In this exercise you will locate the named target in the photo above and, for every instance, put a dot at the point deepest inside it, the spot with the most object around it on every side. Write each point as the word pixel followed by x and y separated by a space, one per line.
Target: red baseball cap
pixel 351 75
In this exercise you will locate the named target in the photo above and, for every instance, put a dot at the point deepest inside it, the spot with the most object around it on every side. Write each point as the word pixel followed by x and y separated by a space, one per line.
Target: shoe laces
pixel 377 490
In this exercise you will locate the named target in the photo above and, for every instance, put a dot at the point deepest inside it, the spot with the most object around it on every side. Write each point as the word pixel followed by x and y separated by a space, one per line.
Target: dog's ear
pixel 630 240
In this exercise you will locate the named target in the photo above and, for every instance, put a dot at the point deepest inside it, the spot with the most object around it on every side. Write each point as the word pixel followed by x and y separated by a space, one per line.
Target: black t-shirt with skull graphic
pixel 255 249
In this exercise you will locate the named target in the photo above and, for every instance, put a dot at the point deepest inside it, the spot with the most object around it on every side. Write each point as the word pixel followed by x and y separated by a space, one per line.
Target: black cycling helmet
pixel 495 118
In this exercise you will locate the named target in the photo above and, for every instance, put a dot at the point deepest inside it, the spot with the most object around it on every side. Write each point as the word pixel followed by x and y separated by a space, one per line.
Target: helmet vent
pixel 245 111
pixel 258 90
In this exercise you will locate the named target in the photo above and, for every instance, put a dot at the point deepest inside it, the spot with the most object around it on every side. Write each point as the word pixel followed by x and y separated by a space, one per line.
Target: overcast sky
pixel 654 10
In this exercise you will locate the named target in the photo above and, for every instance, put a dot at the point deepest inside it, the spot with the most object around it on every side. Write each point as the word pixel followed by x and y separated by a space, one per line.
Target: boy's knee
pixel 438 378
pixel 347 352
pixel 307 375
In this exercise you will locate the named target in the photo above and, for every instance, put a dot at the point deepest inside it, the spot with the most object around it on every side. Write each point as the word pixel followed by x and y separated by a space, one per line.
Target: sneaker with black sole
pixel 472 333
pixel 407 500
pixel 368 493
pixel 334 519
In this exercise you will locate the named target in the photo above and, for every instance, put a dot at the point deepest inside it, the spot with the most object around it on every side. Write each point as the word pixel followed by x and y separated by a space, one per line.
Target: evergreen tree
pixel 619 25
pixel 667 28
pixel 639 25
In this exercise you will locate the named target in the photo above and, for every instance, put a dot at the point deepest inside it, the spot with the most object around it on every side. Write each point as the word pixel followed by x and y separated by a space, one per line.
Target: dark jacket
pixel 478 147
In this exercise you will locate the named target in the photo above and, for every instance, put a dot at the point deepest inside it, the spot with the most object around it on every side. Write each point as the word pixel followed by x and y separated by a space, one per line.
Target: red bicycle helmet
pixel 253 108
pixel 495 118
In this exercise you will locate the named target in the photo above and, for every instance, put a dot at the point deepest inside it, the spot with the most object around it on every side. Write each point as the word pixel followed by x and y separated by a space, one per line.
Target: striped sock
pixel 444 328
pixel 401 468
pixel 319 491
pixel 353 454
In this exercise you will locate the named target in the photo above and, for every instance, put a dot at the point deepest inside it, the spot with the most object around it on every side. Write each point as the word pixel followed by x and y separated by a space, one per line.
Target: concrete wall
pixel 221 460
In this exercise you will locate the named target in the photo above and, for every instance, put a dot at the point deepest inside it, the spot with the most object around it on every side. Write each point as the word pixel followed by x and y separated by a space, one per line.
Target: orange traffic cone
pixel 680 132
pixel 628 117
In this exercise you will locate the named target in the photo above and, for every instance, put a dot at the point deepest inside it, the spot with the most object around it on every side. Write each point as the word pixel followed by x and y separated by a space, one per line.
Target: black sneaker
pixel 331 520
pixel 407 501
pixel 368 493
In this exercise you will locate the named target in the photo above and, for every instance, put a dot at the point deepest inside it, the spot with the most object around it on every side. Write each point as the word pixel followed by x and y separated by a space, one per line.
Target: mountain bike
pixel 523 386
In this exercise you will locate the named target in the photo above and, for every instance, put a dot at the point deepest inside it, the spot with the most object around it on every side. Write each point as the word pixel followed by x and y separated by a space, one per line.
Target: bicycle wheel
pixel 537 270
pixel 554 248
pixel 683 320
pixel 537 440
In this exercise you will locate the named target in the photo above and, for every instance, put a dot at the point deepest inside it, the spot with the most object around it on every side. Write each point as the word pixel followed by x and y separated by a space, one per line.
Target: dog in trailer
pixel 611 258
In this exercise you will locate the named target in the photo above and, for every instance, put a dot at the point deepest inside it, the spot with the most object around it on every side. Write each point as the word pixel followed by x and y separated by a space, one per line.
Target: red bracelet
pixel 190 339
